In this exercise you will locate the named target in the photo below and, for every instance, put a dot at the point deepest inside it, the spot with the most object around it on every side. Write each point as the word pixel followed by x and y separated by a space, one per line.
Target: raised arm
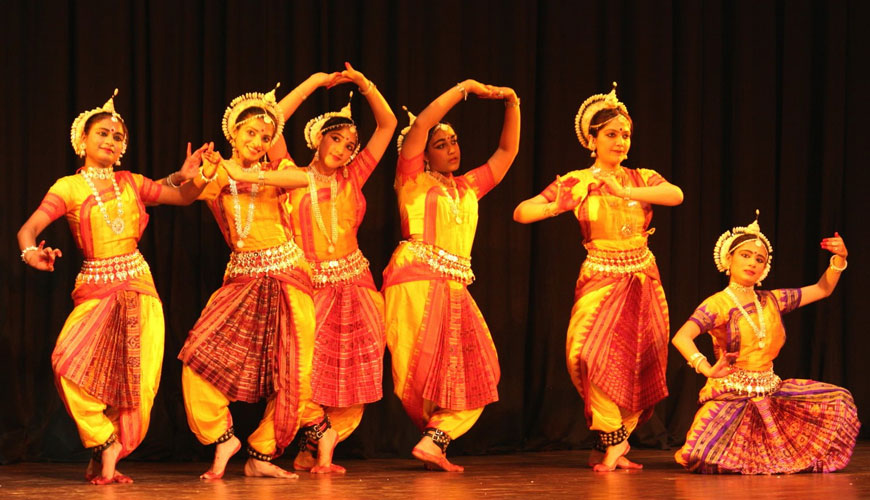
pixel 291 102
pixel 828 281
pixel 384 116
pixel 509 142
pixel 415 141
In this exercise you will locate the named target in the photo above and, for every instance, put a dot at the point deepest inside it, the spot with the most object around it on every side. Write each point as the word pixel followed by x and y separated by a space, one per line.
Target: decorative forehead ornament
pixel 77 131
pixel 588 109
pixel 730 240
pixel 401 139
pixel 314 128
pixel 254 100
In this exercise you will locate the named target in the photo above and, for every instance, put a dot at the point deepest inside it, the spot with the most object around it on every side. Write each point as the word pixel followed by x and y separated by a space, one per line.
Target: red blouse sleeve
pixel 362 166
pixel 149 191
pixel 550 191
pixel 480 180
pixel 408 168
pixel 53 206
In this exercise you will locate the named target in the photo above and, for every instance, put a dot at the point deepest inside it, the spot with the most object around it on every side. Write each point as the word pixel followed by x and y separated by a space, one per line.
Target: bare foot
pixel 430 454
pixel 611 458
pixel 304 461
pixel 108 460
pixel 95 468
pixel 259 468
pixel 325 447
pixel 223 452
pixel 596 457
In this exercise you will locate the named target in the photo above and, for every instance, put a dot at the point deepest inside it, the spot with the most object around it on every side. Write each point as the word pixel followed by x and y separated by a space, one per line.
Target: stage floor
pixel 555 475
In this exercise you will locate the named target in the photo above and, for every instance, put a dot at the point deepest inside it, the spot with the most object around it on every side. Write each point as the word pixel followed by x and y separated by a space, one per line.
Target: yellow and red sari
pixel 768 425
pixel 109 353
pixel 347 371
pixel 255 337
pixel 617 342
pixel 445 367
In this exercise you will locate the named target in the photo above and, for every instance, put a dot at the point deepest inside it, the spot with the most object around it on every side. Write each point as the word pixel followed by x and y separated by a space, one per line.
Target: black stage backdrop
pixel 745 105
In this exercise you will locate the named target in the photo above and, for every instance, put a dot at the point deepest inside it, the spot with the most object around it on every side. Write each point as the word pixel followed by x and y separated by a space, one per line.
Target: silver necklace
pixel 102 173
pixel 760 329
pixel 453 203
pixel 315 205
pixel 116 224
pixel 242 232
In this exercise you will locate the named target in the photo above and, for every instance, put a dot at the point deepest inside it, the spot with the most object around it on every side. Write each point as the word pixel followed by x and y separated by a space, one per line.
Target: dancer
pixel 109 353
pixel 751 421
pixel 445 366
pixel 618 333
pixel 255 337
pixel 349 341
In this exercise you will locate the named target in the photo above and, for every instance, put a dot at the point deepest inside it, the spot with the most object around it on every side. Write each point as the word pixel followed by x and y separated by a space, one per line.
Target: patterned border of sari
pixel 454 363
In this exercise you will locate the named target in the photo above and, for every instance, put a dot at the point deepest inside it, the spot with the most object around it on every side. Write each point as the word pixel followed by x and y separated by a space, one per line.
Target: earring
pixel 118 162
pixel 727 272
pixel 426 165
pixel 592 154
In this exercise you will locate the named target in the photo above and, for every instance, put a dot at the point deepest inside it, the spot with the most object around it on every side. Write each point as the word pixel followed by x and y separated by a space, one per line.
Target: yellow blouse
pixel 269 224
pixel 71 196
pixel 350 209
pixel 436 212
pixel 719 316
pixel 609 222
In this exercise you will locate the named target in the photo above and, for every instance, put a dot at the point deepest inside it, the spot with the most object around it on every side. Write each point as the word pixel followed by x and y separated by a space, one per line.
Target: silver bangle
pixel 510 104
pixel 460 88
pixel 261 177
pixel 28 249
pixel 834 266
pixel 206 179
pixel 169 181
pixel 627 196
pixel 368 89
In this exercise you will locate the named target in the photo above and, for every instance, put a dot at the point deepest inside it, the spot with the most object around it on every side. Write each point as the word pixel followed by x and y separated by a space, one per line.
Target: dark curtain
pixel 744 105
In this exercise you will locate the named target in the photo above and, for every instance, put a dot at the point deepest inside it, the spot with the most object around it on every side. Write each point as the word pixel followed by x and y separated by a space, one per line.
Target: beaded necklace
pixel 760 329
pixel 242 232
pixel 332 237
pixel 445 183
pixel 116 224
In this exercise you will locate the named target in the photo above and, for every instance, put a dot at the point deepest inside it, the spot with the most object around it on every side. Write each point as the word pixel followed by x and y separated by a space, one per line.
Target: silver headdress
pixel 588 109
pixel 254 100
pixel 77 131
pixel 728 242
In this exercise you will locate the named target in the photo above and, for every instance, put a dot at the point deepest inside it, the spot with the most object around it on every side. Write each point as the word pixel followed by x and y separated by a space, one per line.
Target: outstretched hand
pixel 724 365
pixel 190 167
pixel 565 200
pixel 835 245
pixel 43 257
pixel 212 156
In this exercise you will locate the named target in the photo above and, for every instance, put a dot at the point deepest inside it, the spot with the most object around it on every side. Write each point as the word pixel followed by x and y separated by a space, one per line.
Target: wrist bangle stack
pixel 460 88
pixel 261 177
pixel 207 179
pixel 627 196
pixel 368 89
pixel 512 104
pixel 695 361
pixel 169 181
pixel 835 267
pixel 24 252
